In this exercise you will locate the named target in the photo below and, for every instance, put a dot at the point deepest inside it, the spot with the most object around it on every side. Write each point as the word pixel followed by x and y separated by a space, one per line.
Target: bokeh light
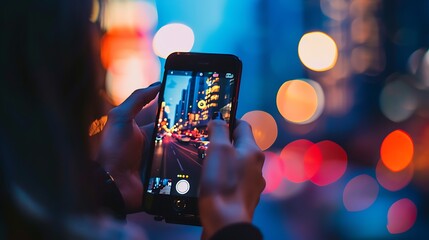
pixel 360 59
pixel 95 11
pixel 287 189
pixel 360 193
pixel 301 160
pixel 146 16
pixel 129 74
pixel 335 9
pixel 174 37
pixel 394 181
pixel 318 51
pixel 264 128
pixel 130 14
pixel 97 125
pixel 398 101
pixel 421 159
pixel 397 150
pixel 334 163
pixel 272 171
pixel 363 30
pixel 120 44
pixel 401 216
pixel 300 101
pixel 415 60
pixel 424 71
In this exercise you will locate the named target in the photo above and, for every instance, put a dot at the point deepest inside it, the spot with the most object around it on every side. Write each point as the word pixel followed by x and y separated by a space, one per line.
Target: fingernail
pixel 155 84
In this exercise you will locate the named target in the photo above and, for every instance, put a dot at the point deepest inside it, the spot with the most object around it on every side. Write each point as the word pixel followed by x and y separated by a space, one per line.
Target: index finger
pixel 218 131
pixel 136 101
pixel 243 135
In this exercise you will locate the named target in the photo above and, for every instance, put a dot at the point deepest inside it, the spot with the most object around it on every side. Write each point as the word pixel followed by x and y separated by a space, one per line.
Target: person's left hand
pixel 122 146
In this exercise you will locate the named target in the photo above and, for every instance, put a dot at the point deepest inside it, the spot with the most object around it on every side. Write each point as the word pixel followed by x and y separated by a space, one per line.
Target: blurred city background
pixel 337 93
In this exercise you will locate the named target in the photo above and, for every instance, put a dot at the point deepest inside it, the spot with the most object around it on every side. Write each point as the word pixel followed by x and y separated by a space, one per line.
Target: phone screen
pixel 190 100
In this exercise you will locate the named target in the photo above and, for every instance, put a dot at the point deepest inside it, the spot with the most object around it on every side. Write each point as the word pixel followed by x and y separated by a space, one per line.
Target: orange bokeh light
pixel 334 163
pixel 397 150
pixel 264 128
pixel 126 75
pixel 300 101
pixel 272 171
pixel 119 44
pixel 394 181
pixel 401 216
pixel 301 160
pixel 97 125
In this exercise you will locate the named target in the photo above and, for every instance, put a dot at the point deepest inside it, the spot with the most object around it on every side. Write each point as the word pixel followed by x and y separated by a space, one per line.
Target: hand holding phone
pixel 196 88
pixel 232 180
pixel 121 146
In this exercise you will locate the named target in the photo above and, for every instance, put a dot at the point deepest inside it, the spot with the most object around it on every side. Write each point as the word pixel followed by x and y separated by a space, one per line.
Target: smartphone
pixel 196 87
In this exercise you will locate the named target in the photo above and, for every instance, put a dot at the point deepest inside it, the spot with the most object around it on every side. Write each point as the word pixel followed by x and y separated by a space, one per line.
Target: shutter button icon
pixel 182 186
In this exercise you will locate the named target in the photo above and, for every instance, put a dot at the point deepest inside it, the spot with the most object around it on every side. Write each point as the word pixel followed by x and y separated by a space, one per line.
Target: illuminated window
pixel 215 88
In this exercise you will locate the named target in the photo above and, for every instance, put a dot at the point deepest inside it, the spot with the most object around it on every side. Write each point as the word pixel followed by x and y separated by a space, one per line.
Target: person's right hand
pixel 122 145
pixel 231 181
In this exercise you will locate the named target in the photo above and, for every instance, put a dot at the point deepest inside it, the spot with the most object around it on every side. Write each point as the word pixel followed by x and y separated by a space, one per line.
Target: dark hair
pixel 48 92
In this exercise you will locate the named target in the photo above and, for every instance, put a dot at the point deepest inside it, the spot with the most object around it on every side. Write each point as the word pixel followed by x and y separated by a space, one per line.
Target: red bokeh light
pixel 120 43
pixel 394 181
pixel 272 171
pixel 401 216
pixel 334 163
pixel 301 160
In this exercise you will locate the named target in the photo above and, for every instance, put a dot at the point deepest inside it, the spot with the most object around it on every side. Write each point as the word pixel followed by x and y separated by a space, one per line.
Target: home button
pixel 179 204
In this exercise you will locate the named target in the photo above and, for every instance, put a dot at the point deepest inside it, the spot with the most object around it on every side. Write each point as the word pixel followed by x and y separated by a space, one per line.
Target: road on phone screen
pixel 173 157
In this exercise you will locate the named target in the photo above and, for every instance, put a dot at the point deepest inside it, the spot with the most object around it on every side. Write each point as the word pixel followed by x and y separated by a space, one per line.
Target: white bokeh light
pixel 318 51
pixel 398 101
pixel 140 15
pixel 174 37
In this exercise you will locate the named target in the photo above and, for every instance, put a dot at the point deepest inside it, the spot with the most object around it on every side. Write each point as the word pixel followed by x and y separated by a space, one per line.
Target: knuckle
pixel 247 125
pixel 117 114
pixel 114 112
pixel 216 124
pixel 224 148
pixel 255 153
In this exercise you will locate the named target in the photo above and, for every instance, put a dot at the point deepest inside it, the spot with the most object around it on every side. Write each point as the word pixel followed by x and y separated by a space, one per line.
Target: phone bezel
pixel 163 205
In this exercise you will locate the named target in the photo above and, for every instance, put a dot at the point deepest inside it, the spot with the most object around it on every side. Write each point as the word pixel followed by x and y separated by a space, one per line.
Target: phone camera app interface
pixel 191 99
